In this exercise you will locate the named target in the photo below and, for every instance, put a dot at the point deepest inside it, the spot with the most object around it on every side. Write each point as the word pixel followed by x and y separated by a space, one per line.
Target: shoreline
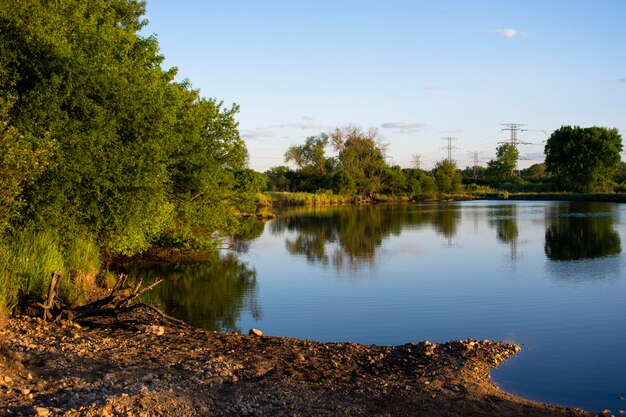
pixel 137 364
pixel 298 199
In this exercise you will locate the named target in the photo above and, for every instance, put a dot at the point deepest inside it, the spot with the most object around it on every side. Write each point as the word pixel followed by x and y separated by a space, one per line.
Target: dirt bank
pixel 137 365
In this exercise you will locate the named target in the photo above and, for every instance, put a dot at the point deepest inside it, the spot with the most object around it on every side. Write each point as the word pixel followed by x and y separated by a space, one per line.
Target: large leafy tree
pixel 447 177
pixel 583 159
pixel 501 168
pixel 362 157
pixel 310 157
pixel 138 155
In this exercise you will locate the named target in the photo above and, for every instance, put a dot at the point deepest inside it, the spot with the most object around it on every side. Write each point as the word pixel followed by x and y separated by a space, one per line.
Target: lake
pixel 545 275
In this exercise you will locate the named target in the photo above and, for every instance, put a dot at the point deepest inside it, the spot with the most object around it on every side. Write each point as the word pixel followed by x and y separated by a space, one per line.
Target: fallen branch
pixel 53 290
pixel 114 305
pixel 136 293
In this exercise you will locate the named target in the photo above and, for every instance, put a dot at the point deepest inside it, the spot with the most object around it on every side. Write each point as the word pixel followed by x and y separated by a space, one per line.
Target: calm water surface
pixel 546 275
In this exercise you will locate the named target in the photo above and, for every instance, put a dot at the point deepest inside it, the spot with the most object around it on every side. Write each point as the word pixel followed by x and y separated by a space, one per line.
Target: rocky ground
pixel 137 365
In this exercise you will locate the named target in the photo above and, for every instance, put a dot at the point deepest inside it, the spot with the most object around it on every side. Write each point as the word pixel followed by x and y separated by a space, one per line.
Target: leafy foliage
pixel 310 157
pixel 583 159
pixel 447 177
pixel 362 156
pixel 133 157
pixel 501 168
pixel 22 158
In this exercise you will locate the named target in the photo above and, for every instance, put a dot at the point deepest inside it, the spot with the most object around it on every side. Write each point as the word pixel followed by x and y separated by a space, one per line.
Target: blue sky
pixel 416 70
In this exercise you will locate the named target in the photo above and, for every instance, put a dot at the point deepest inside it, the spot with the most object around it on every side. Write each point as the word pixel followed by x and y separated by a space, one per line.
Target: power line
pixel 417 161
pixel 514 128
pixel 449 146
pixel 476 155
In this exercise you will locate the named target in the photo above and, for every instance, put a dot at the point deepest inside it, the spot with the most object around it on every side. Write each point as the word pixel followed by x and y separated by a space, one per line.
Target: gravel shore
pixel 138 365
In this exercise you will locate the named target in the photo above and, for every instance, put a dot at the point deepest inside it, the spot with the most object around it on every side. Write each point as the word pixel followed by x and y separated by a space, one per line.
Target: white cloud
pixel 307 123
pixel 257 133
pixel 534 156
pixel 508 33
pixel 447 132
pixel 403 127
pixel 622 81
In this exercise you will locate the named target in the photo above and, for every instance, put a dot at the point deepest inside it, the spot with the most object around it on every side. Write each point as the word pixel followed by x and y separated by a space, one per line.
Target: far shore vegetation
pixel 103 154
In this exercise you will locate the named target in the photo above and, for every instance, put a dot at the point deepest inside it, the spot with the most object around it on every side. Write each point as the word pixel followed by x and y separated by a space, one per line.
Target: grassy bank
pixel 28 259
pixel 564 196
pixel 280 199
pixel 288 199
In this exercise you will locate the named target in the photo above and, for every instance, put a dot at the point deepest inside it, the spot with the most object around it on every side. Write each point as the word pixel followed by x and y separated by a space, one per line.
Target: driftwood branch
pixel 53 291
pixel 119 283
pixel 119 301
pixel 116 304
pixel 137 291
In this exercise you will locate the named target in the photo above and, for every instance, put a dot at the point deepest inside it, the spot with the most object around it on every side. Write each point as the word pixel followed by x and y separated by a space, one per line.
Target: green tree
pixel 583 159
pixel 474 172
pixel 535 172
pixel 278 178
pixel 501 169
pixel 343 183
pixel 419 184
pixel 210 186
pixel 78 70
pixel 447 177
pixel 362 156
pixel 620 174
pixel 137 155
pixel 310 157
pixel 395 182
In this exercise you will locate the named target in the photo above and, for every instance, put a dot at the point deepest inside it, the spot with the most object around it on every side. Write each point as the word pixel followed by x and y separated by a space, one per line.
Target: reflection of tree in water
pixel 210 294
pixel 357 232
pixel 446 220
pixel 582 231
pixel 250 230
pixel 504 218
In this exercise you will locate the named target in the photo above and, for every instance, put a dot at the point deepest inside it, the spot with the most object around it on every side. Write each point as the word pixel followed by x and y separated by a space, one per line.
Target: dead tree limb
pixel 136 293
pixel 119 284
pixel 114 305
pixel 53 290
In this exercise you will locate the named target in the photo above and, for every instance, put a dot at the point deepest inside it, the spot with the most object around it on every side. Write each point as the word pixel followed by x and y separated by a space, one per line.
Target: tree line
pixel 577 159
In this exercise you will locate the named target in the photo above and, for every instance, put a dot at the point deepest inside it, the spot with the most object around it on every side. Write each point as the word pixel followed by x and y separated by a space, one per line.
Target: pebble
pixel 42 412
pixel 25 391
pixel 156 330
pixel 255 332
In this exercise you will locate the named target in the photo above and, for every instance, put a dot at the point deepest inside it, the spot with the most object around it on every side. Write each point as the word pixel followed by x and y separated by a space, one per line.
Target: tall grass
pixel 302 199
pixel 28 259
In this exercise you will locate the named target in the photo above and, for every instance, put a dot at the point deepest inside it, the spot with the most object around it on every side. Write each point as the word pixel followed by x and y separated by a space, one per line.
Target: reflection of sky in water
pixel 480 272
pixel 452 271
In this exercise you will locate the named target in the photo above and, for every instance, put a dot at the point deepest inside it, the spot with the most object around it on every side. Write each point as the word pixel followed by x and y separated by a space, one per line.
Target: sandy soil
pixel 138 365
